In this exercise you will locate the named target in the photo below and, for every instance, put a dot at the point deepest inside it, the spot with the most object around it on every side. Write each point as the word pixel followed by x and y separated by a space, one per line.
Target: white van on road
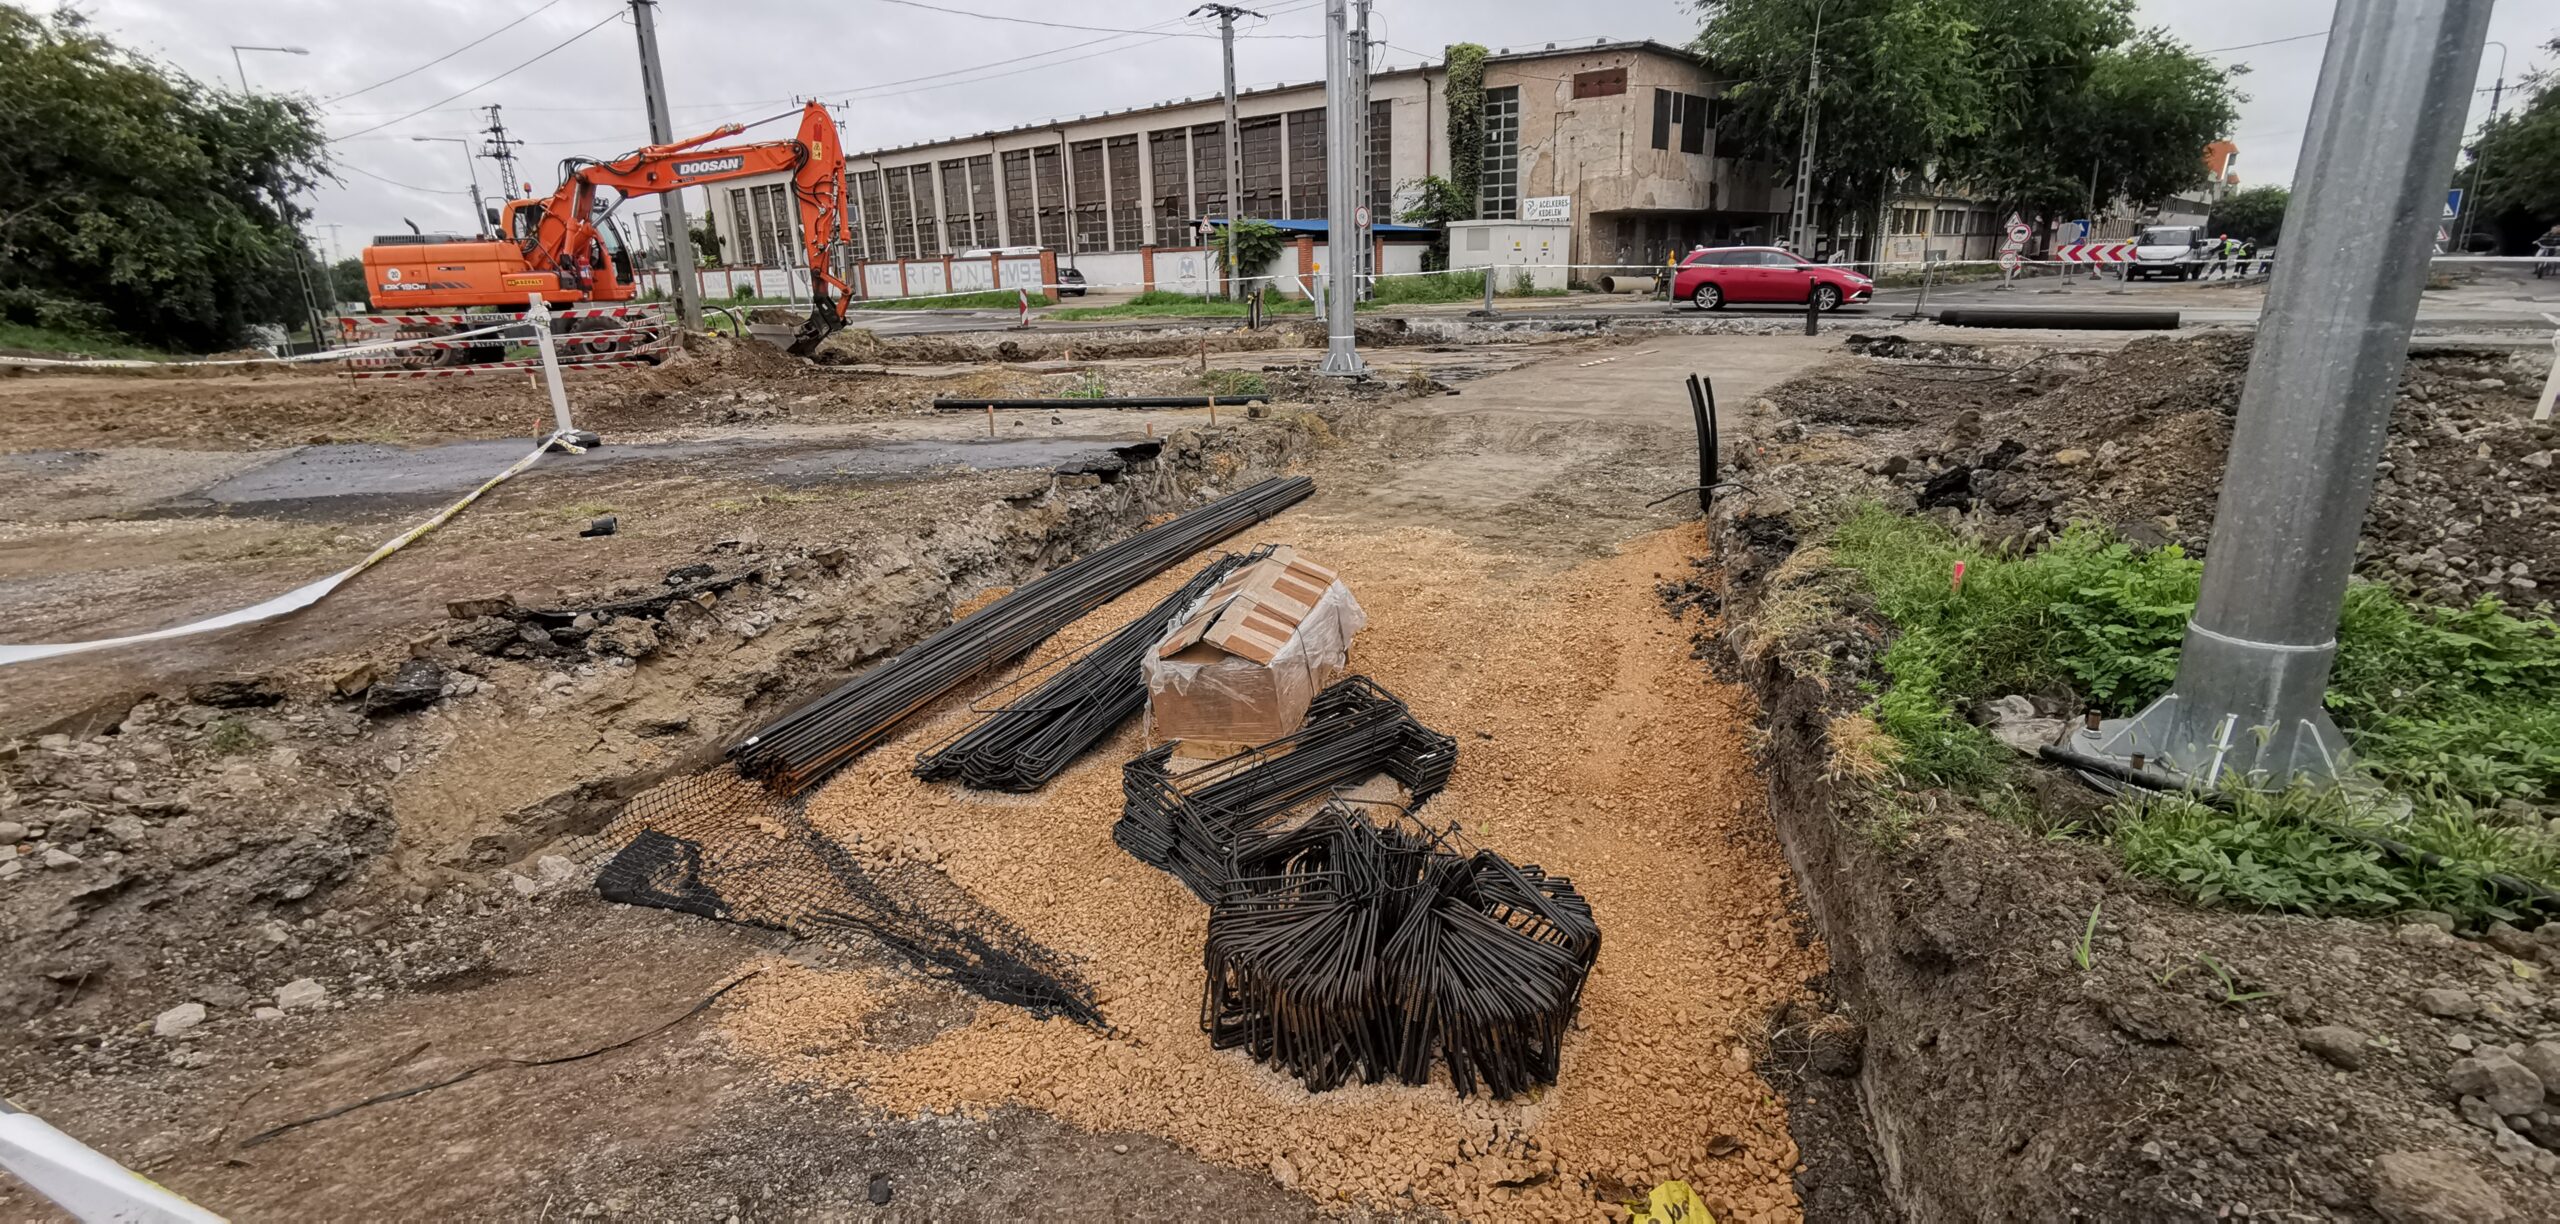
pixel 2173 251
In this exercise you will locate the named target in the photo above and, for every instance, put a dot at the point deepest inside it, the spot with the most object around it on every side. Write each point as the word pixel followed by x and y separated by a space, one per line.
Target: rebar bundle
pixel 1022 745
pixel 1344 949
pixel 801 748
pixel 1188 824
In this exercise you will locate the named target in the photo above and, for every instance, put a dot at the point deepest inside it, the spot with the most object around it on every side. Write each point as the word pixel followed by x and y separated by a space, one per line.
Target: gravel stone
pixel 300 993
pixel 2437 1187
pixel 2336 1044
pixel 2502 1082
pixel 178 1019
pixel 2447 1003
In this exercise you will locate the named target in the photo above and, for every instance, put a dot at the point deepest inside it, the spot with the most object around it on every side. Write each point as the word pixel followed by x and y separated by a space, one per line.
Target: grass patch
pixel 66 342
pixel 1090 385
pixel 1234 382
pixel 994 299
pixel 2453 710
pixel 229 737
pixel 1159 304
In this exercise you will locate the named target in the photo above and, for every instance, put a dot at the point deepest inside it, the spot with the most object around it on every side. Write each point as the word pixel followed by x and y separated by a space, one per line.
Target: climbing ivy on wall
pixel 1466 120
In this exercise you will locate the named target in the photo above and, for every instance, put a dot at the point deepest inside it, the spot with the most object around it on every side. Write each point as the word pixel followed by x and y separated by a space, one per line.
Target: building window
pixel 1051 179
pixel 1691 113
pixel 920 189
pixel 742 236
pixel 1382 176
pixel 1128 212
pixel 1093 224
pixel 956 220
pixel 875 215
pixel 1498 196
pixel 1171 150
pixel 982 200
pixel 1261 158
pixel 1600 83
pixel 1209 169
pixel 1306 163
pixel 902 217
pixel 1948 221
pixel 1018 203
pixel 777 220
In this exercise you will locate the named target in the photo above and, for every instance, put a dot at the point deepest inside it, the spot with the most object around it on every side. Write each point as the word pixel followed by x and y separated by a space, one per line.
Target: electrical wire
pixel 545 54
pixel 345 165
pixel 2268 43
pixel 1060 25
pixel 546 7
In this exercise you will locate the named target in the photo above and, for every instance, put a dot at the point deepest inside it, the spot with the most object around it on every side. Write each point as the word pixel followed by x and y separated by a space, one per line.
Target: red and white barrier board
pixel 2094 252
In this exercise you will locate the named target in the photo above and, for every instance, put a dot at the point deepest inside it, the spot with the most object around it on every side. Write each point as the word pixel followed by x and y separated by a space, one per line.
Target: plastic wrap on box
pixel 1207 694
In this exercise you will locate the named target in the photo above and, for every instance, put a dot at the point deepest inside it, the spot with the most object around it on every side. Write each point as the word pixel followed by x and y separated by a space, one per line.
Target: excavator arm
pixel 815 160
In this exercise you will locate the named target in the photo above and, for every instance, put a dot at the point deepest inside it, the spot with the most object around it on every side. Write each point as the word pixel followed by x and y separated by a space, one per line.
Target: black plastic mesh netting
pixel 722 846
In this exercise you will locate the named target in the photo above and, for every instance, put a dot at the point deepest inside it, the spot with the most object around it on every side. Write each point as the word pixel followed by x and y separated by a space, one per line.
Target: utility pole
pixel 1803 213
pixel 1227 14
pixel 502 149
pixel 2386 124
pixel 653 84
pixel 1362 189
pixel 1341 182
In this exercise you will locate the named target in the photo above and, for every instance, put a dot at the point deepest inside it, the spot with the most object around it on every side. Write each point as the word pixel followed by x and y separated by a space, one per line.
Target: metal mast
pixel 653 84
pixel 502 149
pixel 1803 211
pixel 2386 122
pixel 1227 14
pixel 1341 180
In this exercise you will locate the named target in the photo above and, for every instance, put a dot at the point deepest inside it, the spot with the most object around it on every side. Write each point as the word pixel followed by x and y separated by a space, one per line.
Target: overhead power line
pixel 2268 43
pixel 395 182
pixel 546 7
pixel 1060 25
pixel 546 52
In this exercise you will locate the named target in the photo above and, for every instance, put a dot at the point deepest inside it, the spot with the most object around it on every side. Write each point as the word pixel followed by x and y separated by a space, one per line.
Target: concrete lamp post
pixel 2386 121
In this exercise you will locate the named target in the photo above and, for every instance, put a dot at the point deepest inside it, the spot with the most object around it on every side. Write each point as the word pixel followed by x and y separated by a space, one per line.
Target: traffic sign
pixel 1360 216
pixel 2452 203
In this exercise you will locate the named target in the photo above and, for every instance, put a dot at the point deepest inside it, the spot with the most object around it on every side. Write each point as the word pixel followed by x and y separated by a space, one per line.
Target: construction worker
pixel 2221 256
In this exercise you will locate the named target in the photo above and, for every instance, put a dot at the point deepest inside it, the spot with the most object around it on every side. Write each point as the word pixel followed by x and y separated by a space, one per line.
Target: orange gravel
pixel 1589 743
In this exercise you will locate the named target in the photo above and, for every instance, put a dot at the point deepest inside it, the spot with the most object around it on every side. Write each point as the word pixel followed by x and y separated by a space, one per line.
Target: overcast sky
pixel 909 73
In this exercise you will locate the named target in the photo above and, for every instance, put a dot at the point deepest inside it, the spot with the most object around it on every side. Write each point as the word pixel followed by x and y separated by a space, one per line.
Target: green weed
pixel 1089 385
pixel 1234 382
pixel 229 737
pixel 2232 995
pixel 2080 955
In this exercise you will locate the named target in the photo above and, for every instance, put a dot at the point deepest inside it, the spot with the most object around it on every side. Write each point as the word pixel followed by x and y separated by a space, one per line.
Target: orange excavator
pixel 565 247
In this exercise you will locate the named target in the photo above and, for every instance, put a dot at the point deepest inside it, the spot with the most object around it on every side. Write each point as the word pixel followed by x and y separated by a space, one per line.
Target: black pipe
pixel 1702 409
pixel 1104 401
pixel 2060 318
pixel 2513 886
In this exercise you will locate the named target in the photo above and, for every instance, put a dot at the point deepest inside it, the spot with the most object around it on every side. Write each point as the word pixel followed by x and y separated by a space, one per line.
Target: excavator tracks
pixel 586 337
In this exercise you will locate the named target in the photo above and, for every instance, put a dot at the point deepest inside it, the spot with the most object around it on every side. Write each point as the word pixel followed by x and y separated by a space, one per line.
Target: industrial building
pixel 1613 140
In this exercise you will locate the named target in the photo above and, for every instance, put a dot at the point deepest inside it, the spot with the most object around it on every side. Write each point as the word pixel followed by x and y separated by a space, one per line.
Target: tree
pixel 2252 215
pixel 1897 86
pixel 1438 202
pixel 140 199
pixel 2516 162
pixel 346 282
pixel 706 243
pixel 2020 100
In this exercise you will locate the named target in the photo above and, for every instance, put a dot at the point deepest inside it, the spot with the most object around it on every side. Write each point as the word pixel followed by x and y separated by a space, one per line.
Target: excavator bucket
pixel 821 323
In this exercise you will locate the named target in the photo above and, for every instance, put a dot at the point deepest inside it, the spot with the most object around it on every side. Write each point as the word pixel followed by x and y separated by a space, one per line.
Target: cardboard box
pixel 1242 668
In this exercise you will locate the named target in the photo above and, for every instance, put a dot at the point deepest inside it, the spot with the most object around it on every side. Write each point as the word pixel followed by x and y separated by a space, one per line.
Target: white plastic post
pixel 83 1182
pixel 538 313
pixel 2550 382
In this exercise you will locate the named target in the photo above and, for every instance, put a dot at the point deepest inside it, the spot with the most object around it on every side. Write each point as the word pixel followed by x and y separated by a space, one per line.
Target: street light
pixel 243 70
pixel 479 215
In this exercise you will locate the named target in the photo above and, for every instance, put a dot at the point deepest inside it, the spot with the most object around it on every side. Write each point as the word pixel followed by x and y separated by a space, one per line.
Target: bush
pixel 1234 382
pixel 1251 244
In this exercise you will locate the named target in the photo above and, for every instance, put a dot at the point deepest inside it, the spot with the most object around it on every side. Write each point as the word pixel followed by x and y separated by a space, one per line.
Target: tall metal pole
pixel 1227 14
pixel 1803 211
pixel 1362 190
pixel 2479 164
pixel 2386 122
pixel 653 83
pixel 1341 183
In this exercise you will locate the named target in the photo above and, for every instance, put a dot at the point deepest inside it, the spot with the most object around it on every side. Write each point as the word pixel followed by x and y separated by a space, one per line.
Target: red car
pixel 1713 276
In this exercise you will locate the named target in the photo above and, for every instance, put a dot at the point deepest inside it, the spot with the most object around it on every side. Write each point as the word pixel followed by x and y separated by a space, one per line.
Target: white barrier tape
pixel 341 354
pixel 300 597
pixel 84 1182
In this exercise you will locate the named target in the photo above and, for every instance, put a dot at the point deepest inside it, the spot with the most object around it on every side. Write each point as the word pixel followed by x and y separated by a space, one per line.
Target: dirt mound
pixel 2137 440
